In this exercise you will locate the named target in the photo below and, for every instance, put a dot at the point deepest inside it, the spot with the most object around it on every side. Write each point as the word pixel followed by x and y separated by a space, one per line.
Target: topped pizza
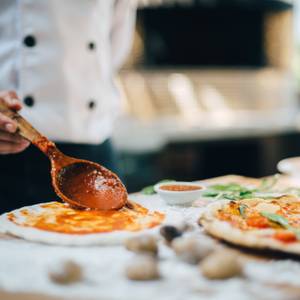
pixel 257 223
pixel 58 223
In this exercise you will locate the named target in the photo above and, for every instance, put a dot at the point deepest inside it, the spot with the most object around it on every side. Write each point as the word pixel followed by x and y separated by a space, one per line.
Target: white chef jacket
pixel 61 57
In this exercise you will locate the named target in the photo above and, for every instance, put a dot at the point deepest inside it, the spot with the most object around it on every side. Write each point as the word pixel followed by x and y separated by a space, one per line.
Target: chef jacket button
pixel 29 101
pixel 29 41
pixel 91 104
pixel 91 45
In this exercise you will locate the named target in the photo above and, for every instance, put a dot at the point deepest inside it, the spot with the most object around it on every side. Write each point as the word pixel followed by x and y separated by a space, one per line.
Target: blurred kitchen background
pixel 211 88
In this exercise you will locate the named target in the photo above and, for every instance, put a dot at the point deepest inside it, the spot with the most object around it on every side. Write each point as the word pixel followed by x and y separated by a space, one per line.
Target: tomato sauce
pixel 258 222
pixel 179 188
pixel 91 185
pixel 61 218
pixel 253 220
pixel 285 236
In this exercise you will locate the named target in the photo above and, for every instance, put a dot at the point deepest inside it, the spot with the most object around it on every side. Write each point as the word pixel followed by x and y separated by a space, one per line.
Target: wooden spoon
pixel 81 183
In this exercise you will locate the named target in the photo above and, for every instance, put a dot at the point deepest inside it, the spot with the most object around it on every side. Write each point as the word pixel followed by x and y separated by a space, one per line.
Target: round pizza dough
pixel 256 238
pixel 50 237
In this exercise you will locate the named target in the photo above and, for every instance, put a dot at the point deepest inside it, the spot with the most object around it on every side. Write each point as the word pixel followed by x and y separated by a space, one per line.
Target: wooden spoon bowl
pixel 88 185
pixel 81 183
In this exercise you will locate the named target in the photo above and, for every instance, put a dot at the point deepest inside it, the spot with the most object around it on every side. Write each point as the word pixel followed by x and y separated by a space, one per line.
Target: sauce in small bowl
pixel 179 192
pixel 179 187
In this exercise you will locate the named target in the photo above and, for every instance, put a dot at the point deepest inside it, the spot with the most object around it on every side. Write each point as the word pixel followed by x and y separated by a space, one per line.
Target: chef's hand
pixel 10 142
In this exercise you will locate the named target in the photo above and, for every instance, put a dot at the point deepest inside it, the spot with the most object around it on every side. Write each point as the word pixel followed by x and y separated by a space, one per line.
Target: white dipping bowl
pixel 179 197
pixel 290 166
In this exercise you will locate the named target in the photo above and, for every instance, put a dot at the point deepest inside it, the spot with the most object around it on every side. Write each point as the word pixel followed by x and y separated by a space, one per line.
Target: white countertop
pixel 24 268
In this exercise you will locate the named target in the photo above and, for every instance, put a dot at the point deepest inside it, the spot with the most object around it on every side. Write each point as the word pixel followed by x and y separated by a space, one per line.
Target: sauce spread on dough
pixel 60 217
pixel 252 219
pixel 285 236
pixel 179 188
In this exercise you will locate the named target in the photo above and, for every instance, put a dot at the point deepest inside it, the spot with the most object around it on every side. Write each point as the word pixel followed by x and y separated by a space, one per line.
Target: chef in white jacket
pixel 60 57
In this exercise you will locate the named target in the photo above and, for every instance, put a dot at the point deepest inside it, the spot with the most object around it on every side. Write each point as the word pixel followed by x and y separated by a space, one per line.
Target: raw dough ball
pixel 221 264
pixel 191 249
pixel 142 244
pixel 187 227
pixel 66 273
pixel 143 268
pixel 170 232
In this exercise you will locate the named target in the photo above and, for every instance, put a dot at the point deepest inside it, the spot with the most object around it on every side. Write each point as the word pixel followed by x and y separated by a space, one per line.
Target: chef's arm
pixel 10 141
pixel 122 30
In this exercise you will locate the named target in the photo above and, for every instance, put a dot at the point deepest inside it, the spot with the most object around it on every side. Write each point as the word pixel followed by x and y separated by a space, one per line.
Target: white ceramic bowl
pixel 179 197
pixel 290 166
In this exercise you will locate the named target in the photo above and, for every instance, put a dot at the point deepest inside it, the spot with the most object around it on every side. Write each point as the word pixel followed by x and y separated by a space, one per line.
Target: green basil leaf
pixel 267 184
pixel 149 190
pixel 235 191
pixel 230 196
pixel 242 209
pixel 276 219
pixel 283 222
pixel 209 193
pixel 230 187
pixel 246 195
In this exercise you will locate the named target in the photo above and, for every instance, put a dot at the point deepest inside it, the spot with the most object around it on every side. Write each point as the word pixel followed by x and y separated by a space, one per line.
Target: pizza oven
pixel 208 89
pixel 224 33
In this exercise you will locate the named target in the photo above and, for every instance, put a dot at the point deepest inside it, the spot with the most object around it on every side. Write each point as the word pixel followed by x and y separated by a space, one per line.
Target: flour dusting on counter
pixel 25 268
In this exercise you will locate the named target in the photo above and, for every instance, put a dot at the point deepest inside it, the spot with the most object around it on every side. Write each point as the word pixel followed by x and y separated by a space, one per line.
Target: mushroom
pixel 142 244
pixel 221 264
pixel 144 267
pixel 170 232
pixel 66 273
pixel 191 249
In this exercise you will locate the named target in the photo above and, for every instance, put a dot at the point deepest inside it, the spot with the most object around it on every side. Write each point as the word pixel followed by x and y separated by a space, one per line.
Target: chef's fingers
pixel 11 99
pixel 11 148
pixel 11 137
pixel 7 124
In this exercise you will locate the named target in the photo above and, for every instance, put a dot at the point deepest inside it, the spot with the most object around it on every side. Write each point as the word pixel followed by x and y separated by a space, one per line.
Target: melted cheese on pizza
pixel 60 217
pixel 250 214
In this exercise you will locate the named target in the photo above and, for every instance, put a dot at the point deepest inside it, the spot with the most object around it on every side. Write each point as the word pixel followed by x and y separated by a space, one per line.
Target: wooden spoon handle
pixel 25 129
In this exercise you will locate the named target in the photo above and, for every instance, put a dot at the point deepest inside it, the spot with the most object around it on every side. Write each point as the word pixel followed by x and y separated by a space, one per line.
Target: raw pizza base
pixel 56 238
pixel 255 239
